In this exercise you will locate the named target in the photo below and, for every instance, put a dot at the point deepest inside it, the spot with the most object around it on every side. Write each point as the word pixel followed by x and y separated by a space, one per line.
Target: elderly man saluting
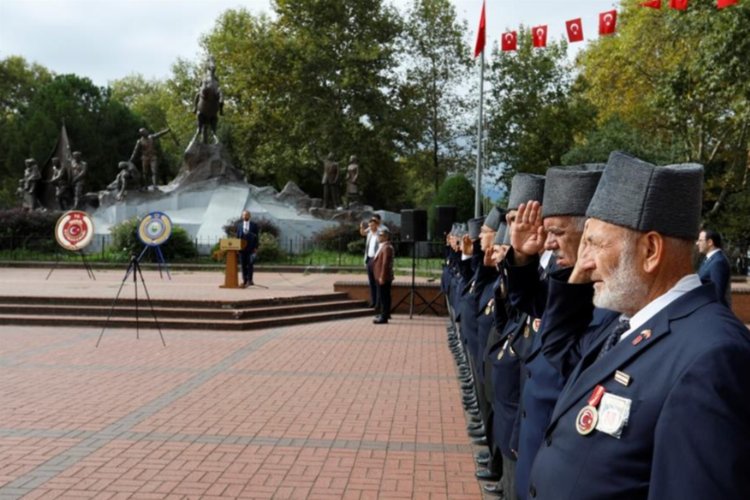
pixel 657 408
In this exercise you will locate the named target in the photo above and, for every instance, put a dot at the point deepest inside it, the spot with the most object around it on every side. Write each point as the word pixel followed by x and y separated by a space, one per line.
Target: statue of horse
pixel 209 103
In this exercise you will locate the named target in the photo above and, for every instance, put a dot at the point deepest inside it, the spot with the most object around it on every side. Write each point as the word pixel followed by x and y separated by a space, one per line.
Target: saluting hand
pixel 527 232
pixel 583 266
pixel 467 247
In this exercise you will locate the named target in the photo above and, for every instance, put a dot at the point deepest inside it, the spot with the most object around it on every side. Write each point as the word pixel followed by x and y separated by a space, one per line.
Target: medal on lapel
pixel 588 416
pixel 502 350
pixel 490 305
pixel 644 335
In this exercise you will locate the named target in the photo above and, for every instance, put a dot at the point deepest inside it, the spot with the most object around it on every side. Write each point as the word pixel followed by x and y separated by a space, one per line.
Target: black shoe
pixel 479 433
pixel 474 426
pixel 494 490
pixel 482 455
pixel 475 420
pixel 487 475
pixel 483 462
pixel 380 320
pixel 250 283
pixel 482 441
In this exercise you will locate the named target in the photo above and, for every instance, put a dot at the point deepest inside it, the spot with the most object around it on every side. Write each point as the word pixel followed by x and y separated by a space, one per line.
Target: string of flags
pixel 574 27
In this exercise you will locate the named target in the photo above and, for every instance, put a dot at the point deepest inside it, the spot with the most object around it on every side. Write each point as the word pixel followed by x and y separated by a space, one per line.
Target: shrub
pixel 125 242
pixel 32 230
pixel 337 238
pixel 269 249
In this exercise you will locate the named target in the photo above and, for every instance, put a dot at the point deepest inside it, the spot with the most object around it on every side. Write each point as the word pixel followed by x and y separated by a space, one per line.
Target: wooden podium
pixel 231 246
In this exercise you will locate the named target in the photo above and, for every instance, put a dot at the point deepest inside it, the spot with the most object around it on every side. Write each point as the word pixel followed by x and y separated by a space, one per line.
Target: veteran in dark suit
pixel 658 407
pixel 715 267
pixel 556 226
pixel 247 231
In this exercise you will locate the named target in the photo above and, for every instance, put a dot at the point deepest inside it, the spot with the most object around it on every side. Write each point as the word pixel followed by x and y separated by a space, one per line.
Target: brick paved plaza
pixel 328 410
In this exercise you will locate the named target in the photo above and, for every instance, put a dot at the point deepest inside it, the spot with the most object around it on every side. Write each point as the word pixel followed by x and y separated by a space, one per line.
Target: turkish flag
pixel 607 22
pixel 678 4
pixel 481 36
pixel 509 41
pixel 539 35
pixel 575 30
pixel 653 4
pixel 720 4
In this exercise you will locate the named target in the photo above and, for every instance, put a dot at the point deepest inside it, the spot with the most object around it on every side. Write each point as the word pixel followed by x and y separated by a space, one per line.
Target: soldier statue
pixel 146 147
pixel 352 174
pixel 60 179
pixel 78 169
pixel 330 182
pixel 32 178
pixel 127 177
pixel 209 103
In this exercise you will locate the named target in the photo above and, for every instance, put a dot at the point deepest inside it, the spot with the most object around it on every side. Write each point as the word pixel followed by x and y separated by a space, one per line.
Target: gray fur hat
pixel 641 196
pixel 500 235
pixel 568 190
pixel 494 218
pixel 475 227
pixel 525 187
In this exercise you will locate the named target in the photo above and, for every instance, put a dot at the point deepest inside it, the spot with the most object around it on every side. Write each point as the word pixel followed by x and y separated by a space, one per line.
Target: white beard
pixel 622 286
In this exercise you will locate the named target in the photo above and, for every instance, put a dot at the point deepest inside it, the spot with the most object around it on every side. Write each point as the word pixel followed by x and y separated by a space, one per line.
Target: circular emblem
pixel 74 230
pixel 537 324
pixel 155 229
pixel 586 420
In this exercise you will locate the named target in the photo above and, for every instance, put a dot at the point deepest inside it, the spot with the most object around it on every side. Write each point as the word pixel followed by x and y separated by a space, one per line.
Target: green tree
pixel 437 63
pixel 534 115
pixel 455 191
pixel 681 79
pixel 19 82
pixel 314 80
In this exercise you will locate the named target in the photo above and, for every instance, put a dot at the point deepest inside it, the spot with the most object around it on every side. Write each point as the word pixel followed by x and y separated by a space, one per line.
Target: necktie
pixel 622 326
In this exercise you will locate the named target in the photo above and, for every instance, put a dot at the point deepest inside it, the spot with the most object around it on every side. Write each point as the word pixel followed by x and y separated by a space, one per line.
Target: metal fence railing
pixel 339 252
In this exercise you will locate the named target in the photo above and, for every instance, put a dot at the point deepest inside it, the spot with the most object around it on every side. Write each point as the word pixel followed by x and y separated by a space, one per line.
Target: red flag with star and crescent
pixel 678 4
pixel 652 4
pixel 539 36
pixel 720 4
pixel 607 22
pixel 481 34
pixel 575 30
pixel 509 41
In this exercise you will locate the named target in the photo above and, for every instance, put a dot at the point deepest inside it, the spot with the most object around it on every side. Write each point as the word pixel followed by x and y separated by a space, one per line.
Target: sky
pixel 105 40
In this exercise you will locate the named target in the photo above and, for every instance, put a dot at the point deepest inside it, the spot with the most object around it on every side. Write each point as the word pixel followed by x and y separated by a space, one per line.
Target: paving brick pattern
pixel 328 410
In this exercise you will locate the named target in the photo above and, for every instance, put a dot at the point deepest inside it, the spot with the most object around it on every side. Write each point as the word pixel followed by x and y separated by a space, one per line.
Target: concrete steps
pixel 179 314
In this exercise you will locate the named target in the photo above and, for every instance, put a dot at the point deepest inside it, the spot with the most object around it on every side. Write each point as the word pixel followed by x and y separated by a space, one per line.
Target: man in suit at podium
pixel 715 266
pixel 247 231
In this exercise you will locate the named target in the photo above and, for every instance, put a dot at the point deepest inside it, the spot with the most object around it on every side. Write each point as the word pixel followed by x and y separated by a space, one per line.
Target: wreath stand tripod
pixel 86 265
pixel 160 260
pixel 135 268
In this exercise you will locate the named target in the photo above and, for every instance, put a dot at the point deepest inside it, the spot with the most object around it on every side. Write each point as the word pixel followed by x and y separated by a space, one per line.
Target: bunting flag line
pixel 678 4
pixel 575 30
pixel 720 4
pixel 607 22
pixel 509 41
pixel 481 34
pixel 539 35
pixel 574 27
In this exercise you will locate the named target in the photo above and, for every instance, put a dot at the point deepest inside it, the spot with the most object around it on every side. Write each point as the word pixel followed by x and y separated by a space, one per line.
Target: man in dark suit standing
pixel 247 231
pixel 657 407
pixel 715 267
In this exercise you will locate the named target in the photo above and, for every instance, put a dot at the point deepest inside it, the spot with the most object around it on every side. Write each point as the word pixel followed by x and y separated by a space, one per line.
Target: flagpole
pixel 478 178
